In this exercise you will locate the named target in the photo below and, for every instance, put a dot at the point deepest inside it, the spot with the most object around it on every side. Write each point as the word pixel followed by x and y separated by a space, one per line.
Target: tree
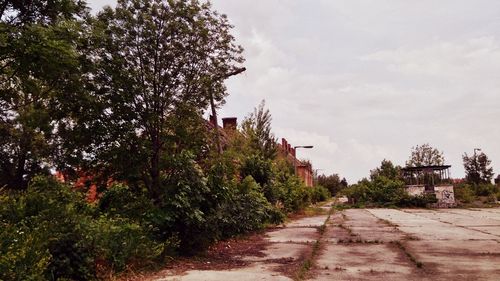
pixel 257 128
pixel 332 182
pixel 39 69
pixel 386 169
pixel 477 168
pixel 155 63
pixel 425 155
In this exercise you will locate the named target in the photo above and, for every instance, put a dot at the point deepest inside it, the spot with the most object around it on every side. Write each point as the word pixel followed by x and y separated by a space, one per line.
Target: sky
pixel 365 80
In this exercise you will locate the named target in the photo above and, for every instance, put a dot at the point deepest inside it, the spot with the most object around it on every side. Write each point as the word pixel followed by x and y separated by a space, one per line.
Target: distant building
pixel 430 180
pixel 303 169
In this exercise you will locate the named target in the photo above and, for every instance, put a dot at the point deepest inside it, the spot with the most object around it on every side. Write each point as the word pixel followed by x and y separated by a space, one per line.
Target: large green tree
pixel 157 63
pixel 39 68
pixel 477 168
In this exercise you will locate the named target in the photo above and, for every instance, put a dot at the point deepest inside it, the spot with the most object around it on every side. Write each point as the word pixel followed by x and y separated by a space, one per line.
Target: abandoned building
pixel 303 169
pixel 434 180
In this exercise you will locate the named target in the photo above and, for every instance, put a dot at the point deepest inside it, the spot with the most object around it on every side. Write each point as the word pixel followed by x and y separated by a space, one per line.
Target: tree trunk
pixel 155 168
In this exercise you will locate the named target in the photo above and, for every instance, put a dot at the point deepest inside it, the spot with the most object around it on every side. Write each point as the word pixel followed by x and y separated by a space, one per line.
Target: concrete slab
pixel 493 230
pixel 487 210
pixel 477 213
pixel 281 251
pixel 419 224
pixel 403 217
pixel 294 235
pixel 473 260
pixel 378 233
pixel 336 234
pixel 315 221
pixel 359 217
pixel 464 219
pixel 362 262
pixel 252 273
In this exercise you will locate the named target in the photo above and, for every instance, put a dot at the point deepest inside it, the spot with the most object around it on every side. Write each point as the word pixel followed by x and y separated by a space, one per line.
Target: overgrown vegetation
pixel 476 189
pixel 114 103
pixel 384 188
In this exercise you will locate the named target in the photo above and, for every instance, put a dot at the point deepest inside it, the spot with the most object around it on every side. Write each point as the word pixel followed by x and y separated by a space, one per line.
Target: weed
pixel 417 263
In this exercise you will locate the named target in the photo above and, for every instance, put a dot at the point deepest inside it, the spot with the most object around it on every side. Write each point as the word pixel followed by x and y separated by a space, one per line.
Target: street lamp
pixel 295 148
pixel 476 165
pixel 212 104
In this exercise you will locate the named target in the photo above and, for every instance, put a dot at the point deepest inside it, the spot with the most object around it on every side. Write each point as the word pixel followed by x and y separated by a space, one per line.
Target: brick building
pixel 303 169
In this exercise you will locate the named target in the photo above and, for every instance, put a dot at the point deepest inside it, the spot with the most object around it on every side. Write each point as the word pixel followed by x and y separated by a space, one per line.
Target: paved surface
pixel 378 244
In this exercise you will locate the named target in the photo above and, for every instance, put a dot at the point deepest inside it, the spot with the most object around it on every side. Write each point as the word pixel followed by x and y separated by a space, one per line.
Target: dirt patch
pixel 224 255
pixel 290 266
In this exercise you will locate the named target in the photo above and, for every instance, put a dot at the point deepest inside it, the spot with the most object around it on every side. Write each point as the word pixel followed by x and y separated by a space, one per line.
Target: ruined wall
pixel 445 195
pixel 415 189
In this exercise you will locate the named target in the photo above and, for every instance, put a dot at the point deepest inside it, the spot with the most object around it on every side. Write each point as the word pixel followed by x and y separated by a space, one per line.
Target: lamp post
pixel 476 166
pixel 295 161
pixel 212 104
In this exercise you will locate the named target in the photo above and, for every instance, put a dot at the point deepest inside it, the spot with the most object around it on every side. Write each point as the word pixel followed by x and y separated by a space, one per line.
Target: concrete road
pixel 375 244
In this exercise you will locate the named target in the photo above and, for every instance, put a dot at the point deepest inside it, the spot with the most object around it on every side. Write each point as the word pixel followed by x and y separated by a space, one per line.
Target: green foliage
pixel 49 232
pixel 425 155
pixel 258 168
pixel 55 226
pixel 157 65
pixel 319 194
pixel 120 241
pixel 464 193
pixel 257 129
pixel 477 168
pixel 332 182
pixel 385 188
pixel 246 210
pixel 40 71
pixel 485 189
pixel 23 252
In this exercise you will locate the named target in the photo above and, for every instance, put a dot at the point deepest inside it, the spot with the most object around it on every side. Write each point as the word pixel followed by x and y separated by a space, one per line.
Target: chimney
pixel 229 123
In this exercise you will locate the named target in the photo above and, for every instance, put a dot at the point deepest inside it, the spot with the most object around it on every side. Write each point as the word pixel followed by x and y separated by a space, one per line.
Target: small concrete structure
pixel 434 180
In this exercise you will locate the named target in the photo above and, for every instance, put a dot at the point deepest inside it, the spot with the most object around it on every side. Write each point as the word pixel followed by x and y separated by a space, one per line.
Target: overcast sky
pixel 368 80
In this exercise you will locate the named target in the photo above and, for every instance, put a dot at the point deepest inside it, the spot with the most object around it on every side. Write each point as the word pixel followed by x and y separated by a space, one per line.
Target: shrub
pixel 485 189
pixel 246 210
pixel 319 193
pixel 259 168
pixel 23 252
pixel 464 193
pixel 119 242
pixel 51 226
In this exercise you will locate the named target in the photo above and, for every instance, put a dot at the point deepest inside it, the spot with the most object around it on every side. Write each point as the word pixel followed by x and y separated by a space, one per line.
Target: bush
pixel 246 210
pixel 23 252
pixel 319 193
pixel 51 228
pixel 120 242
pixel 486 189
pixel 382 191
pixel 464 193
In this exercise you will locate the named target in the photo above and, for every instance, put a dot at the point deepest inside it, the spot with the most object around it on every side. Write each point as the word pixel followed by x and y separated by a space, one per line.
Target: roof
pixel 425 168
